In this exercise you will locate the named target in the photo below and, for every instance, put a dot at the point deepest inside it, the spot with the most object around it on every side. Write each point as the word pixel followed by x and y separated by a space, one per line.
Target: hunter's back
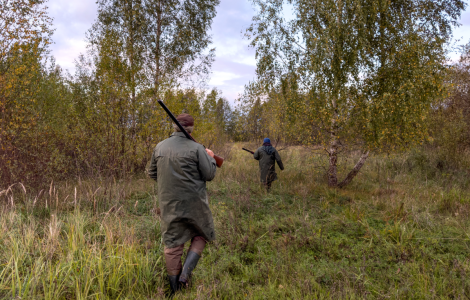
pixel 177 164
pixel 181 168
pixel 267 157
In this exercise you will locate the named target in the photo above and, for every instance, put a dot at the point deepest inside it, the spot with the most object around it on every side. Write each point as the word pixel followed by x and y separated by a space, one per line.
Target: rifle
pixel 218 160
pixel 248 150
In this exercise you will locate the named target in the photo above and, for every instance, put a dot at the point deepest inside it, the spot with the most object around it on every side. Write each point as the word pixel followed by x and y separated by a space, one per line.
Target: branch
pixel 355 170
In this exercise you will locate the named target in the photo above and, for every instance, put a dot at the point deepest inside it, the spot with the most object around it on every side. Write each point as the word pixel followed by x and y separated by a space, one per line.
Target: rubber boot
pixel 189 264
pixel 175 284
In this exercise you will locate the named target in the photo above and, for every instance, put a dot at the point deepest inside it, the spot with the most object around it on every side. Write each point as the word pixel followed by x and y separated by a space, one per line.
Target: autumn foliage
pixel 104 120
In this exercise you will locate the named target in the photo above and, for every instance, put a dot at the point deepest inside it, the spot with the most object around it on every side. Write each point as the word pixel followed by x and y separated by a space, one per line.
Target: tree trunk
pixel 131 55
pixel 332 170
pixel 333 151
pixel 355 170
pixel 157 50
pixel 334 142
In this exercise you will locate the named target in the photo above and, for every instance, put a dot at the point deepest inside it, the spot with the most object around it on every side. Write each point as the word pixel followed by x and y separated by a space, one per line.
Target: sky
pixel 235 62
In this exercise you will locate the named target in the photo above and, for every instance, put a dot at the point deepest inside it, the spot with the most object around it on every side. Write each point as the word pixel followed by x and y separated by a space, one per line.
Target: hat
pixel 185 120
pixel 267 140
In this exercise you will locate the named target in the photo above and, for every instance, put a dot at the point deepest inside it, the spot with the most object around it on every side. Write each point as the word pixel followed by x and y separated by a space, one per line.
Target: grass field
pixel 401 230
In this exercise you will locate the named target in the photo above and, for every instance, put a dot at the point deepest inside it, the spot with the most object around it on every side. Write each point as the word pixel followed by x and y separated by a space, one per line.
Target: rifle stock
pixel 218 160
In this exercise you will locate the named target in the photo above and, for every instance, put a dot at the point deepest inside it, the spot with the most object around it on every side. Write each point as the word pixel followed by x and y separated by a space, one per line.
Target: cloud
pixel 461 35
pixel 463 32
pixel 235 63
pixel 72 19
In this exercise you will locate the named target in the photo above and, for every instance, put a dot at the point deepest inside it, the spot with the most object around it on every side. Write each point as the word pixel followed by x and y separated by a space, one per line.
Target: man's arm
pixel 206 164
pixel 153 167
pixel 256 154
pixel 278 159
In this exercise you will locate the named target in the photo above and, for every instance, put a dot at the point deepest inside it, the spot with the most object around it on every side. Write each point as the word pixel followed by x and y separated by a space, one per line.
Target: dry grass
pixel 399 231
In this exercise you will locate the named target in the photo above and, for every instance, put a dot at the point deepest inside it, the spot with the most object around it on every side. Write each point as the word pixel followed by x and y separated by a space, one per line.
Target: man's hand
pixel 211 154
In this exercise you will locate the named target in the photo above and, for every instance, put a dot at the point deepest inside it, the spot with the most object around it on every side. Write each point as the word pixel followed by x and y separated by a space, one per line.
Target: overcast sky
pixel 235 61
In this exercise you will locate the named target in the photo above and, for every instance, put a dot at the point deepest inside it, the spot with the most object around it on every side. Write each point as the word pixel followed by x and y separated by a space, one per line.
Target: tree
pixel 117 49
pixel 104 121
pixel 367 71
pixel 140 51
pixel 450 118
pixel 177 39
pixel 214 120
pixel 280 115
pixel 24 38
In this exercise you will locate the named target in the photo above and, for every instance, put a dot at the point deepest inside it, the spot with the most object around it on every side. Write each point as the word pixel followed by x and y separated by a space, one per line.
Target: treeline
pixel 450 118
pixel 345 75
pixel 104 120
pixel 355 75
pixel 288 118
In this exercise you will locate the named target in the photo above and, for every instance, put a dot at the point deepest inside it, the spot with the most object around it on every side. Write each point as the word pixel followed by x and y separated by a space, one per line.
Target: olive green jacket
pixel 267 165
pixel 181 168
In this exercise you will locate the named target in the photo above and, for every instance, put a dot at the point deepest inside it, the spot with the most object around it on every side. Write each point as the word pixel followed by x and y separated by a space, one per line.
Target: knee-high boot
pixel 189 264
pixel 173 267
pixel 175 284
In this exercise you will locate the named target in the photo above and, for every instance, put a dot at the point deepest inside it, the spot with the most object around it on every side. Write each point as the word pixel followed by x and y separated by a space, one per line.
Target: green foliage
pixel 158 43
pixel 215 120
pixel 139 52
pixel 104 121
pixel 450 118
pixel 355 72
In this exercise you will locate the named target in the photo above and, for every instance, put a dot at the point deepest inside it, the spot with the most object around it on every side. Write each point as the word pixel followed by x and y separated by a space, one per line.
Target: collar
pixel 178 134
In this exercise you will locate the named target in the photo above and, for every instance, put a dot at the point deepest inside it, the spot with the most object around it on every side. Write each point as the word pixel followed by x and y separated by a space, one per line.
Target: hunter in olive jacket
pixel 267 156
pixel 181 168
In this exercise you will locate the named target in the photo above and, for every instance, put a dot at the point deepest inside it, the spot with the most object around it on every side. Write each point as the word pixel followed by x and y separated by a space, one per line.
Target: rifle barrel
pixel 248 150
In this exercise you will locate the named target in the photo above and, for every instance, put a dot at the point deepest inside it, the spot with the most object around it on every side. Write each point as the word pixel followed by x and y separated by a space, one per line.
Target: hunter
pixel 267 155
pixel 181 168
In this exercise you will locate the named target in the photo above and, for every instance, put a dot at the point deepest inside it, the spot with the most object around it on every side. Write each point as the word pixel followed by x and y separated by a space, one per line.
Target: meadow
pixel 401 230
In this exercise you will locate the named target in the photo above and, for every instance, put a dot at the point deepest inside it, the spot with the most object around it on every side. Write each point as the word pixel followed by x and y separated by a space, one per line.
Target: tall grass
pixel 81 245
pixel 398 231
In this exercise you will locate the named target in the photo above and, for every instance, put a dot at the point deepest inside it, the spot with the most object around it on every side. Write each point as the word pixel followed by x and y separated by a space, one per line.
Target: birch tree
pixel 140 51
pixel 178 39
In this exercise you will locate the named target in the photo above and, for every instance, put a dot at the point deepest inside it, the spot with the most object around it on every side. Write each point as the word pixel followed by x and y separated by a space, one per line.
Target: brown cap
pixel 185 120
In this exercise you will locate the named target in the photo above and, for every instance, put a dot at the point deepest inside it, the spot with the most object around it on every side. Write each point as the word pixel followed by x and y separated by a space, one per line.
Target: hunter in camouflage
pixel 268 156
pixel 181 168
